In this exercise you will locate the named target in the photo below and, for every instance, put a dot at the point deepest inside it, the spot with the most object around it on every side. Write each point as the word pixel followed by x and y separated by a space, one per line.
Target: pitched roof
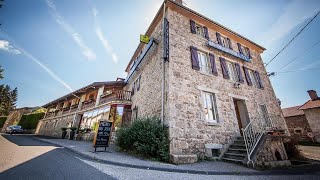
pixel 292 111
pixel 311 104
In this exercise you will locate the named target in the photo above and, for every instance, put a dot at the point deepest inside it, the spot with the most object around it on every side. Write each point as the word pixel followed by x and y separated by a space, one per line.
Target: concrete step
pixel 238 146
pixel 232 160
pixel 234 156
pixel 237 151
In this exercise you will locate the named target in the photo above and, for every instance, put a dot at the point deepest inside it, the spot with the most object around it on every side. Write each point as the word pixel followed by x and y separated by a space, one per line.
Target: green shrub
pixel 30 121
pixel 145 137
pixel 2 121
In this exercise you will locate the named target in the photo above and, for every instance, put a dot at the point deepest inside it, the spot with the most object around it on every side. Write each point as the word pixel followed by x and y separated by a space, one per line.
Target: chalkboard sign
pixel 103 135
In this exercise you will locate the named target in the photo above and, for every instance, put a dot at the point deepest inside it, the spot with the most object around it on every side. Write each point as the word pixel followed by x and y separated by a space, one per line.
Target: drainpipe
pixel 163 66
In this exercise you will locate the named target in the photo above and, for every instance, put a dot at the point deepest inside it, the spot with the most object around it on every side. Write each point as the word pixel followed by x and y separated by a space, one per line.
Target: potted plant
pixel 72 132
pixel 64 133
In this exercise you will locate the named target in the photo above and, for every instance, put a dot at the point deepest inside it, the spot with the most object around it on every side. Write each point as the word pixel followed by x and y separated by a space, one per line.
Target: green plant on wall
pixel 2 121
pixel 30 121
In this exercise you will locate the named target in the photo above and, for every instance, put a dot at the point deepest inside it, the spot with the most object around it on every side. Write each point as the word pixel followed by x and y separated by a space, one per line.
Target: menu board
pixel 103 134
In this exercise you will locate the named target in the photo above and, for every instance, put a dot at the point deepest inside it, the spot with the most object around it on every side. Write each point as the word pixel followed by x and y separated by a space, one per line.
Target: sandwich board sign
pixel 103 135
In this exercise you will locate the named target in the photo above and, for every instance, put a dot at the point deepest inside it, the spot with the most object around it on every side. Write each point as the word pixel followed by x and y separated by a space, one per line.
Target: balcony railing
pixel 88 104
pixel 120 95
pixel 74 108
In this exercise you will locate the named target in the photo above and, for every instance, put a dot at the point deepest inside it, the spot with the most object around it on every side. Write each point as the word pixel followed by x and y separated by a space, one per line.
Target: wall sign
pixel 166 39
pixel 227 50
pixel 103 134
pixel 144 39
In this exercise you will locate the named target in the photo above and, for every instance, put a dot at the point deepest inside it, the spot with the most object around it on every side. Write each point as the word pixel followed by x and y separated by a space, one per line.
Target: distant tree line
pixel 8 97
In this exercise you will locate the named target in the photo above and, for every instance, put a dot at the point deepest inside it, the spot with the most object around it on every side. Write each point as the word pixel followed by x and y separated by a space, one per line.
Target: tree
pixel 8 97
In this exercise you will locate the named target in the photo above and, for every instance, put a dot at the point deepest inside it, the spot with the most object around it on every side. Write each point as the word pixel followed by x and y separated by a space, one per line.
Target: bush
pixel 2 121
pixel 145 137
pixel 30 121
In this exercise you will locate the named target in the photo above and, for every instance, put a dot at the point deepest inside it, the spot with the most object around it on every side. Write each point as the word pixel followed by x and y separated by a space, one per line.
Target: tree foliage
pixel 8 97
pixel 30 121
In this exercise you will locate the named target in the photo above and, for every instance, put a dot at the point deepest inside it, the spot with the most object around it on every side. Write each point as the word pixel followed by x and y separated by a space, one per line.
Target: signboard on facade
pixel 229 51
pixel 103 135
pixel 144 39
pixel 166 39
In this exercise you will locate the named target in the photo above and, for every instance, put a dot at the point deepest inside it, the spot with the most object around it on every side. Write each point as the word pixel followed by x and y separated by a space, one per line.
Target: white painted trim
pixel 237 96
pixel 210 90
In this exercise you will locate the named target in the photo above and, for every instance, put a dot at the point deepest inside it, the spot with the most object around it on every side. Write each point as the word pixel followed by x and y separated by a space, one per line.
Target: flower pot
pixel 63 135
pixel 71 135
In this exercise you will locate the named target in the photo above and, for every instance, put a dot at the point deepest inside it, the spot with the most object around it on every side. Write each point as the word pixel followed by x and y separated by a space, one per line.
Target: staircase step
pixel 235 154
pixel 238 146
pixel 233 160
pixel 238 149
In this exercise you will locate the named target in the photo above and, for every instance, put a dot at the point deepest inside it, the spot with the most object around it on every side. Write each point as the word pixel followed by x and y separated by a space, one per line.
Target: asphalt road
pixel 44 162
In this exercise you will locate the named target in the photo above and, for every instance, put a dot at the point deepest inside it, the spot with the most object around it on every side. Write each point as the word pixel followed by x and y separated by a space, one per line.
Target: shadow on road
pixel 25 140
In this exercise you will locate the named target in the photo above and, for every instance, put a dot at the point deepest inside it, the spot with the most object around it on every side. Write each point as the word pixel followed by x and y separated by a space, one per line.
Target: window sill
pixel 211 123
pixel 207 74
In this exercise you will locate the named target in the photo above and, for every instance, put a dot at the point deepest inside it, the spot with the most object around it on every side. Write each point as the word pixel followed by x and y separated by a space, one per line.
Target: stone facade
pixel 298 126
pixel 52 126
pixel 313 117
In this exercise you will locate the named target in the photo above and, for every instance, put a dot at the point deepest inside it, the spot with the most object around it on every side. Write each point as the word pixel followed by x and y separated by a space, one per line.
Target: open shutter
pixel 192 27
pixel 246 73
pixel 138 83
pixel 132 90
pixel 258 79
pixel 224 68
pixel 240 77
pixel 206 33
pixel 219 38
pixel 213 64
pixel 248 51
pixel 194 58
pixel 240 49
pixel 229 42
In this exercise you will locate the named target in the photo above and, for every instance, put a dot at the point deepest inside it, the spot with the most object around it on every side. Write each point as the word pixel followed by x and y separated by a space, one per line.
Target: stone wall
pixel 298 123
pixel 52 126
pixel 189 132
pixel 272 154
pixel 313 117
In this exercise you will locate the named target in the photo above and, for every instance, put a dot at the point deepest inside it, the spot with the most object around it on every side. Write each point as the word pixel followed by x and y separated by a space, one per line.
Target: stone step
pixel 237 151
pixel 238 146
pixel 235 154
pixel 232 160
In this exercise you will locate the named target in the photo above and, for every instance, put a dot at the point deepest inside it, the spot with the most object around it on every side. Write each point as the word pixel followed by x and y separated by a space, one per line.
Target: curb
pixel 107 162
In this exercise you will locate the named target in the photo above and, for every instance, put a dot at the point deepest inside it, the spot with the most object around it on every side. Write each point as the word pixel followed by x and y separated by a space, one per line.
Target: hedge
pixel 2 121
pixel 30 121
pixel 145 137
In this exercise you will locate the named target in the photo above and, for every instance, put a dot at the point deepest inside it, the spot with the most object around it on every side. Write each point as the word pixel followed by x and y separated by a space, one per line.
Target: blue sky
pixel 49 47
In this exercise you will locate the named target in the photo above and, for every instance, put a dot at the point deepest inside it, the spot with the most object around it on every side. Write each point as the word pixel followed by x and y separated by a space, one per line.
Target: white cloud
pixel 5 46
pixel 102 38
pixel 294 14
pixel 86 51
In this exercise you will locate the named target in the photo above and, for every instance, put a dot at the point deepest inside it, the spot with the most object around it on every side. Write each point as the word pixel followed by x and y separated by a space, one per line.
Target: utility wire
pixel 298 70
pixel 293 39
pixel 305 52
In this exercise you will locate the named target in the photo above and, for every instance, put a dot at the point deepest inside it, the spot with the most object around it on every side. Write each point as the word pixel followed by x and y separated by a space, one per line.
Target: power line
pixel 293 39
pixel 306 52
pixel 298 70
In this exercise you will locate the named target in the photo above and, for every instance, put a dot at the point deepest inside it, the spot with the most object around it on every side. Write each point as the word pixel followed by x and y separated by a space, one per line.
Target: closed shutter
pixel 229 42
pixel 240 77
pixel 132 90
pixel 213 64
pixel 206 33
pixel 240 49
pixel 194 58
pixel 219 38
pixel 224 68
pixel 139 79
pixel 246 74
pixel 192 27
pixel 257 75
pixel 248 51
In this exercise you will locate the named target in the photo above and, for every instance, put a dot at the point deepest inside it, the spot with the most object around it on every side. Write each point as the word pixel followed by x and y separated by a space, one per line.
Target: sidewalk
pixel 114 157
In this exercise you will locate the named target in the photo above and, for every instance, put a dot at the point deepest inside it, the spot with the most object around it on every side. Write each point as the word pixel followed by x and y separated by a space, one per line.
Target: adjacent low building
pixel 304 120
pixel 206 82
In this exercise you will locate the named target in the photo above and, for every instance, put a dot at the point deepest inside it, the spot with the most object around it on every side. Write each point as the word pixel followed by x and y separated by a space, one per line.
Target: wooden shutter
pixel 240 49
pixel 194 58
pixel 248 51
pixel 132 90
pixel 213 64
pixel 192 27
pixel 229 42
pixel 240 77
pixel 246 74
pixel 219 38
pixel 225 71
pixel 206 33
pixel 257 75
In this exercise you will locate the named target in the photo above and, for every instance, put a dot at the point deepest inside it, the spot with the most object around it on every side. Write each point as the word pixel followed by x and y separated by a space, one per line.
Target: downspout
pixel 163 66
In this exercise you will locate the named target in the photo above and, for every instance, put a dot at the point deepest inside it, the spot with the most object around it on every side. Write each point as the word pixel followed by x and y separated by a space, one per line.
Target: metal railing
pixel 258 127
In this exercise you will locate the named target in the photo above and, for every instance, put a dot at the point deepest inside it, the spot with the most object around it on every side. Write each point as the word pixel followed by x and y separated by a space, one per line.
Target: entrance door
pixel 241 113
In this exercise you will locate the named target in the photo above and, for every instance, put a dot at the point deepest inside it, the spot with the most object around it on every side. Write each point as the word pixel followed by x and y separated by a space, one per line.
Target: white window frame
pixel 231 71
pixel 253 78
pixel 204 62
pixel 224 41
pixel 206 103
pixel 199 30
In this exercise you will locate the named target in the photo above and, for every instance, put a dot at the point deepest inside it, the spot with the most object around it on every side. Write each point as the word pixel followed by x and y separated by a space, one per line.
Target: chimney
pixel 313 95
pixel 178 2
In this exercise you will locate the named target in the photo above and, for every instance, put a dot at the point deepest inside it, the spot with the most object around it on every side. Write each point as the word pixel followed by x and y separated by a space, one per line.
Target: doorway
pixel 241 113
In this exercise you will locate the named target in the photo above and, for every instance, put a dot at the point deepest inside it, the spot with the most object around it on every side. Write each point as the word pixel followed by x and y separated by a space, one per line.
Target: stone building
pixel 205 82
pixel 304 120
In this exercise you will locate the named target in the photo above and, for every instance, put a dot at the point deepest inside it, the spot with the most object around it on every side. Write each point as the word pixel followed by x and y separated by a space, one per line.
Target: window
pixel 199 30
pixel 55 123
pixel 204 62
pixel 209 107
pixel 253 79
pixel 232 72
